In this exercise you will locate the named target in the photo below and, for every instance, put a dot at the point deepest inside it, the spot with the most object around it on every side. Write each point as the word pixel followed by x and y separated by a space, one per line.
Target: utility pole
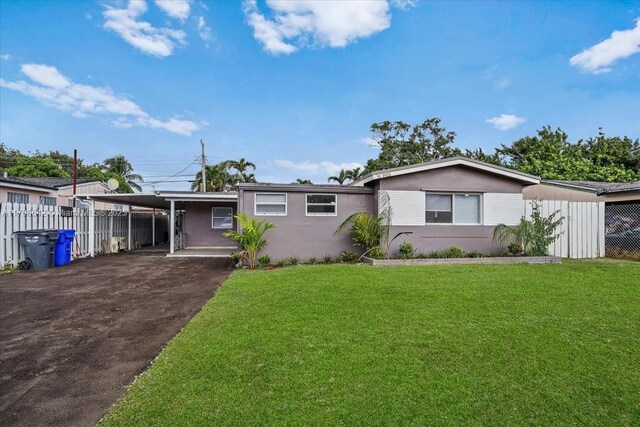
pixel 203 186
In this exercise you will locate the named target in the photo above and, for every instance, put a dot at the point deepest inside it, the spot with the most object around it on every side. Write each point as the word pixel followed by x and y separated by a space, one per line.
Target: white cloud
pixel 330 23
pixel 316 168
pixel 203 30
pixel 178 9
pixel 6 57
pixel 54 89
pixel 598 58
pixel 142 35
pixel 404 4
pixel 506 121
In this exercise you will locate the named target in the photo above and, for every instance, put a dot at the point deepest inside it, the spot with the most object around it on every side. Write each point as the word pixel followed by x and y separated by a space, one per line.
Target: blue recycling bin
pixel 62 252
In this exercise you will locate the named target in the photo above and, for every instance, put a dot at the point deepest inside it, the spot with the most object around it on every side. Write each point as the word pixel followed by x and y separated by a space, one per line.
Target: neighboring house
pixel 455 201
pixel 51 191
pixel 585 191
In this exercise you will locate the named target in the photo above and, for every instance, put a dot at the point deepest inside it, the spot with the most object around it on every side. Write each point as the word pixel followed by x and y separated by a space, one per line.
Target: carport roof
pixel 161 199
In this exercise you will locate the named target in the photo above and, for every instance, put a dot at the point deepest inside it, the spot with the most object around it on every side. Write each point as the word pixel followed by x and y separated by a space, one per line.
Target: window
pixel 270 204
pixel 322 205
pixel 47 201
pixel 222 218
pixel 453 209
pixel 439 208
pixel 466 208
pixel 17 197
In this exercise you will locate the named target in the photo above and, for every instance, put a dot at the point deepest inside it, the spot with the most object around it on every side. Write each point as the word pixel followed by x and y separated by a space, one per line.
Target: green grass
pixel 440 345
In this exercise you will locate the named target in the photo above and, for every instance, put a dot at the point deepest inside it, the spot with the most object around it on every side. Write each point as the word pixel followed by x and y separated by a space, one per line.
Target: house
pixel 453 201
pixel 51 191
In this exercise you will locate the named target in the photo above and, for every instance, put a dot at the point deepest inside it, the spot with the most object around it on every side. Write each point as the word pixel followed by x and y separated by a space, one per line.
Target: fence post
pixel 92 227
pixel 129 243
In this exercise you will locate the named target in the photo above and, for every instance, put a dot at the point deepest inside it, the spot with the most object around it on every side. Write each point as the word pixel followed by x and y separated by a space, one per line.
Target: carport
pixel 188 211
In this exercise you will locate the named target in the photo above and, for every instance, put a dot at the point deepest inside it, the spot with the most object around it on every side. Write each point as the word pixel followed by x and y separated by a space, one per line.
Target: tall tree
pixel 36 167
pixel 218 178
pixel 403 144
pixel 120 166
pixel 341 178
pixel 303 181
pixel 551 155
pixel 355 173
pixel 242 168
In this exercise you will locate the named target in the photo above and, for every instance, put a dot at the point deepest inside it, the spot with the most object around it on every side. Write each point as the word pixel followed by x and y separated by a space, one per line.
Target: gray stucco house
pixel 454 201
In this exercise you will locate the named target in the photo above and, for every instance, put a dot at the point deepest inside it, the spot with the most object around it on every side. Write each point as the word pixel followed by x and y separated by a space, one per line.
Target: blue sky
pixel 294 86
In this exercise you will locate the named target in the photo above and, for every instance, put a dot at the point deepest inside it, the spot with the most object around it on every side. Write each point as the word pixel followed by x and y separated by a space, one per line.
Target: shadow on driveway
pixel 74 337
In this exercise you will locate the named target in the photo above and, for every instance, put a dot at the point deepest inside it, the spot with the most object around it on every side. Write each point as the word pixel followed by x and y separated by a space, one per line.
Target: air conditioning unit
pixel 118 244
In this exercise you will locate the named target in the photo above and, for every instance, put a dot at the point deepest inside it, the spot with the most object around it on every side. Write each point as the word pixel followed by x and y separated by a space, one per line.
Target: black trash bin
pixel 38 248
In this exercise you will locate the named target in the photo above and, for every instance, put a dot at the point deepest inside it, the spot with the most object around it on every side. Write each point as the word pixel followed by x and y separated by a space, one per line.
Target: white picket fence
pixel 582 227
pixel 20 217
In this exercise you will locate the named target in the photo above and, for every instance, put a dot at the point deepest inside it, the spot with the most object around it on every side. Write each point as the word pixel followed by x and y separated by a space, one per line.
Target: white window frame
pixel 10 193
pixel 306 204
pixel 453 208
pixel 255 204
pixel 213 209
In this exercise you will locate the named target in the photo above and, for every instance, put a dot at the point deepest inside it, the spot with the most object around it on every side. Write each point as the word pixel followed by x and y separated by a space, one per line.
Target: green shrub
pixel 376 253
pixel 406 251
pixel 293 260
pixel 281 263
pixel 422 255
pixel 251 237
pixel 312 260
pixel 456 252
pixel 531 236
pixel 514 249
pixel 475 254
pixel 328 259
pixel 443 253
pixel 348 256
pixel 264 261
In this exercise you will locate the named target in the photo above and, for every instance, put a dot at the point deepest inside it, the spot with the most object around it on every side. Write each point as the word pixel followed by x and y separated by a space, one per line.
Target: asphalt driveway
pixel 72 338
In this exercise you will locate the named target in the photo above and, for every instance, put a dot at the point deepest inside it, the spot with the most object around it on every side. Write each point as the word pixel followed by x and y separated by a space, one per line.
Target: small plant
pixel 281 263
pixel 312 260
pixel 7 268
pixel 251 236
pixel 406 251
pixel 438 254
pixel 376 253
pixel 422 255
pixel 293 260
pixel 532 236
pixel 514 249
pixel 348 256
pixel 475 254
pixel 456 252
pixel 264 261
pixel 328 259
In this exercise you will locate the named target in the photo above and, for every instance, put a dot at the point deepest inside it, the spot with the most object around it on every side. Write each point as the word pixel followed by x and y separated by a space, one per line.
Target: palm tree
pixel 341 178
pixel 218 178
pixel 242 166
pixel 121 167
pixel 303 181
pixel 355 173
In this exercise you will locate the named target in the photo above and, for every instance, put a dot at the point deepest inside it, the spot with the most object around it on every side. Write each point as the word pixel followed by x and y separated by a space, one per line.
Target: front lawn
pixel 354 344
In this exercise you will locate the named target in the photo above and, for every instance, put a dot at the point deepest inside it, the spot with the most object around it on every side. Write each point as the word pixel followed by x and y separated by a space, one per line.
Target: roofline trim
pixel 441 163
pixel 24 186
pixel 570 186
pixel 305 188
